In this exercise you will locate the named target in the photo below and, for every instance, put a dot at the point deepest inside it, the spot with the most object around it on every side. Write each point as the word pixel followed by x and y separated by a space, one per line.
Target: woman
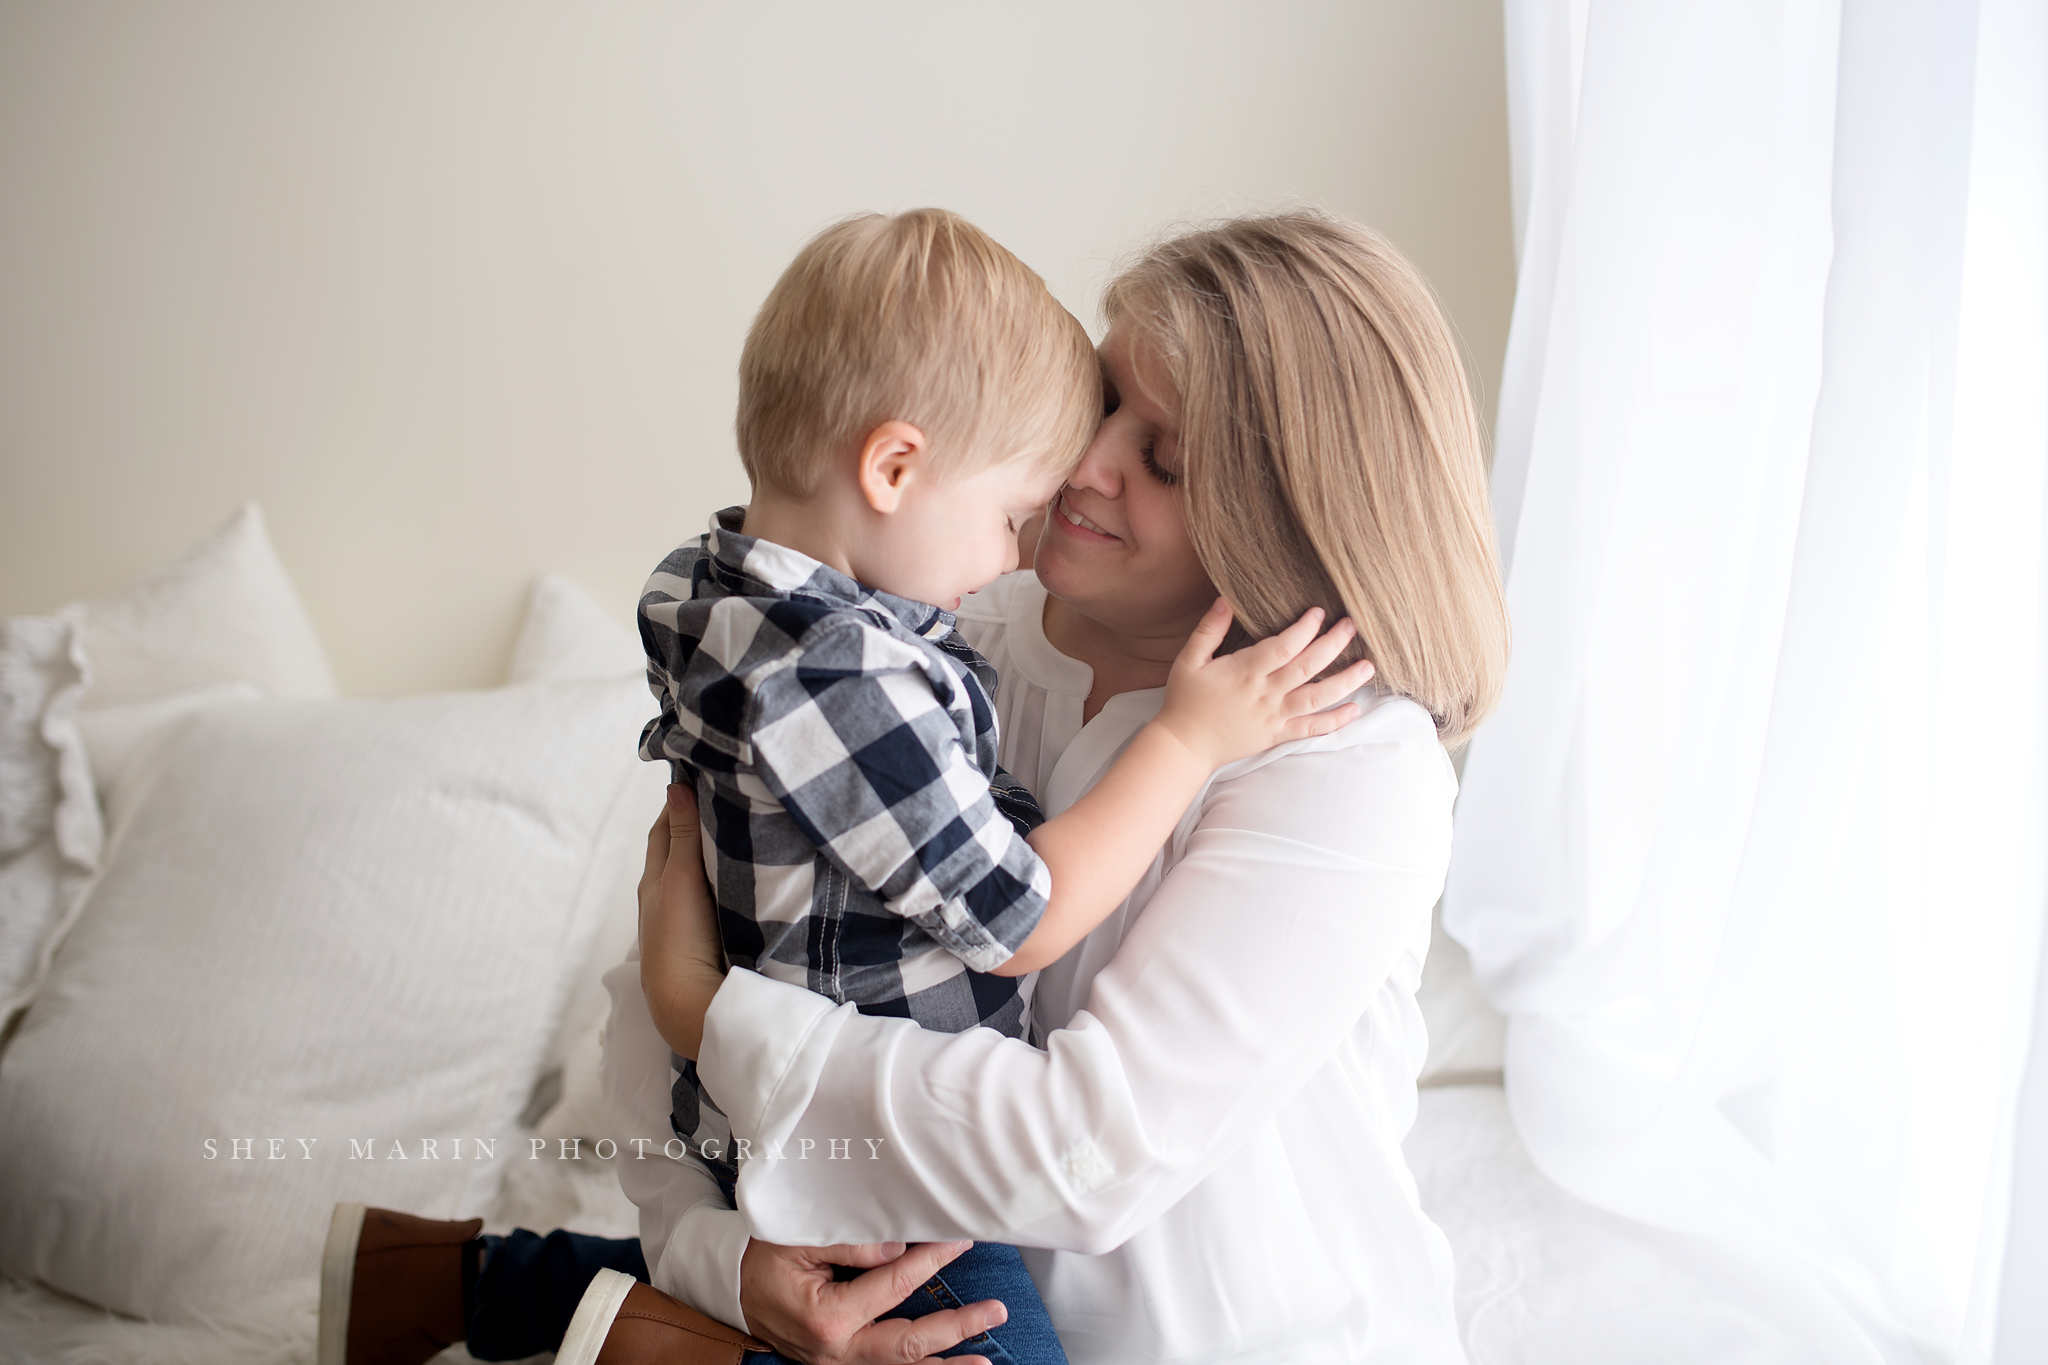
pixel 1207 1147
pixel 1202 1154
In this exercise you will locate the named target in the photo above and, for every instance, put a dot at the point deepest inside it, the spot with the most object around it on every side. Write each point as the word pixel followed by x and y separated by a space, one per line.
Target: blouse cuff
pixel 764 1045
pixel 701 1263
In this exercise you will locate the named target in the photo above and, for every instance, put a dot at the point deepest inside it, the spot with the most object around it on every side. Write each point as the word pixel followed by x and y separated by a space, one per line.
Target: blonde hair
pixel 920 317
pixel 1330 453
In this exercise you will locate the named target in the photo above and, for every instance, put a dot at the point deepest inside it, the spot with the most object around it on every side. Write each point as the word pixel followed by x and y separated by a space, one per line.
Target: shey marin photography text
pixel 538 1149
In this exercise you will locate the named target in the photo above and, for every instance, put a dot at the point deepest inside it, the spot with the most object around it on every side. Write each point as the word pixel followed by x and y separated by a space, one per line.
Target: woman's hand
pixel 792 1302
pixel 681 962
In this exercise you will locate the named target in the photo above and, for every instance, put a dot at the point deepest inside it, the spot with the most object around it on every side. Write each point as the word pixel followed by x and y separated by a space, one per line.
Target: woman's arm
pixel 1301 882
pixel 692 1239
pixel 682 963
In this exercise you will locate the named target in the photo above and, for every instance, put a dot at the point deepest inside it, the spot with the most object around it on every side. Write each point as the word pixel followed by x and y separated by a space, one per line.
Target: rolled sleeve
pixel 764 1032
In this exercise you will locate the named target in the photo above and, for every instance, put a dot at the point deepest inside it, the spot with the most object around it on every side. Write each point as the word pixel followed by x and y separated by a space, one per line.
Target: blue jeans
pixel 522 1302
pixel 520 1305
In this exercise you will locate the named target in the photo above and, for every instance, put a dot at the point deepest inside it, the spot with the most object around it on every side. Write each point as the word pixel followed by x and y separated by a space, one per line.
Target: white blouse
pixel 1203 1160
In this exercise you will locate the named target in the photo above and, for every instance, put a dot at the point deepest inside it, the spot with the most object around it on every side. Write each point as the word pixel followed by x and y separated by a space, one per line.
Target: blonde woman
pixel 1201 1153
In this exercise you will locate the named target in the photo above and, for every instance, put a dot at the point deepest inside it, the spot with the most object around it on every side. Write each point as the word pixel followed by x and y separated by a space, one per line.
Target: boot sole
pixel 595 1313
pixel 338 1282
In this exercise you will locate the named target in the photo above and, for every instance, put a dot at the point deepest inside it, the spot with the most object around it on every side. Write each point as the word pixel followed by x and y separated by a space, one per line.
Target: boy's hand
pixel 681 961
pixel 1233 707
pixel 1217 711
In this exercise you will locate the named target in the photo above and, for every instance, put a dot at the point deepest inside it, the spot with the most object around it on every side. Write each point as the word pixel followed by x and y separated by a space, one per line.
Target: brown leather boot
pixel 391 1287
pixel 623 1322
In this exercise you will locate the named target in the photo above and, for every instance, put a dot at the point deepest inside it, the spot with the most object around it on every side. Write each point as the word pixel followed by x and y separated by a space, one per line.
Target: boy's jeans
pixel 522 1302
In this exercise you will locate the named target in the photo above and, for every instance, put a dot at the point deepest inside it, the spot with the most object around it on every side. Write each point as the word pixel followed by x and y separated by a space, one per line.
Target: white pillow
pixel 128 744
pixel 577 1050
pixel 323 920
pixel 567 635
pixel 224 611
pixel 50 831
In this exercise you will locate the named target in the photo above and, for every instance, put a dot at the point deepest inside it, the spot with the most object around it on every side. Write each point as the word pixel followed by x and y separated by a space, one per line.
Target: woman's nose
pixel 1098 471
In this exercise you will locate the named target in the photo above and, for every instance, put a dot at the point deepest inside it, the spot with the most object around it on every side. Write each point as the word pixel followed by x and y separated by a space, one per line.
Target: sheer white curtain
pixel 1752 856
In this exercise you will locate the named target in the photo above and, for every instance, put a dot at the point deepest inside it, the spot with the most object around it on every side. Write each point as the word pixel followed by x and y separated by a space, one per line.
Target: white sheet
pixel 1545 1279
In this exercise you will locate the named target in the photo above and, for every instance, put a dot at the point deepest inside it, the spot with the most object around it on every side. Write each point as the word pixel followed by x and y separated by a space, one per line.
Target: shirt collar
pixel 795 574
pixel 1031 651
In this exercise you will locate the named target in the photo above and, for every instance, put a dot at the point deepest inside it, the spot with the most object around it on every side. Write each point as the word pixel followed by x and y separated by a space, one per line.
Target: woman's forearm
pixel 678 999
pixel 681 960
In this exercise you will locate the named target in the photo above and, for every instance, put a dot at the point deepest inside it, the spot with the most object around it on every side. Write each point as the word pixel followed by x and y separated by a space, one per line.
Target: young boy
pixel 910 394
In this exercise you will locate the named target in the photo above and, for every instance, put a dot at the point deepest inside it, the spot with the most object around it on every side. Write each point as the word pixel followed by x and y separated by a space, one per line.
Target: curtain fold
pixel 1752 854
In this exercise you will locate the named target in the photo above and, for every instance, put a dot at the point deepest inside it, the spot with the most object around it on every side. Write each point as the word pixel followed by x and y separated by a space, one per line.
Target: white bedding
pixel 1545 1279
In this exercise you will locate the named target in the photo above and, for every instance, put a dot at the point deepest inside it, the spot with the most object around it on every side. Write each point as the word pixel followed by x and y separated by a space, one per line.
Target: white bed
pixel 181 1008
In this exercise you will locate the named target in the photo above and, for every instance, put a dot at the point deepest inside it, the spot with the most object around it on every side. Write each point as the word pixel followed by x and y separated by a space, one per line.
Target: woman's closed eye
pixel 1149 455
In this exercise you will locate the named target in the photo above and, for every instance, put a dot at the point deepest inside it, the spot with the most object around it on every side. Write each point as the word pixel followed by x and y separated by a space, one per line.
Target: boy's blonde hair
pixel 1330 453
pixel 918 317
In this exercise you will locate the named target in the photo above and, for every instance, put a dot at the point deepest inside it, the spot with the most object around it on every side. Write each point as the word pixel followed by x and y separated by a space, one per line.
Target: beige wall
pixel 456 289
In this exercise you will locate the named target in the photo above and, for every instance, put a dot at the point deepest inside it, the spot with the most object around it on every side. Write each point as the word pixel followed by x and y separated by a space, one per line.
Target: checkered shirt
pixel 860 837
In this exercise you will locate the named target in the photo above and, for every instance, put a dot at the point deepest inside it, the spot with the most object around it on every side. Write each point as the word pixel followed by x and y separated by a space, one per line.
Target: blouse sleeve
pixel 691 1237
pixel 1298 886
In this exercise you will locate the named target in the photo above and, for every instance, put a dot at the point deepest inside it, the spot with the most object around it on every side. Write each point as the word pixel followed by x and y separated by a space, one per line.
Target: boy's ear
pixel 892 456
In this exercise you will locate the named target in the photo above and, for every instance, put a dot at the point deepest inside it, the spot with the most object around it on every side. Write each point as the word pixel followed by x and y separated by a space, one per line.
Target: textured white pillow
pixel 324 920
pixel 577 1051
pixel 567 635
pixel 50 832
pixel 128 744
pixel 224 611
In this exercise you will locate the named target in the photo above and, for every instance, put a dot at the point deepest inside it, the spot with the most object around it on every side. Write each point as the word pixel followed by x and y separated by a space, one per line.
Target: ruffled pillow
pixel 222 621
pixel 50 830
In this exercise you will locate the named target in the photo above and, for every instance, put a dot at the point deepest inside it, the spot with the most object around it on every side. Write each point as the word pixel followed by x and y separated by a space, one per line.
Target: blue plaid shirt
pixel 860 837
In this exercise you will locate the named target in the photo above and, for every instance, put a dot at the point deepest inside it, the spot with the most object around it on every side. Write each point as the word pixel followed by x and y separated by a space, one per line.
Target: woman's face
pixel 1115 546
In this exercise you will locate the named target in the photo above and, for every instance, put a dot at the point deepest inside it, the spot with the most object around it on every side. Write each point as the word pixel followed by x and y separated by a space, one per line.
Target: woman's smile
pixel 1074 521
pixel 1115 546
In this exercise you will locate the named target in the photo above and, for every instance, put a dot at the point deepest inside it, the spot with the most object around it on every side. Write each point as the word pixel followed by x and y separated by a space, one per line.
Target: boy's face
pixel 952 536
